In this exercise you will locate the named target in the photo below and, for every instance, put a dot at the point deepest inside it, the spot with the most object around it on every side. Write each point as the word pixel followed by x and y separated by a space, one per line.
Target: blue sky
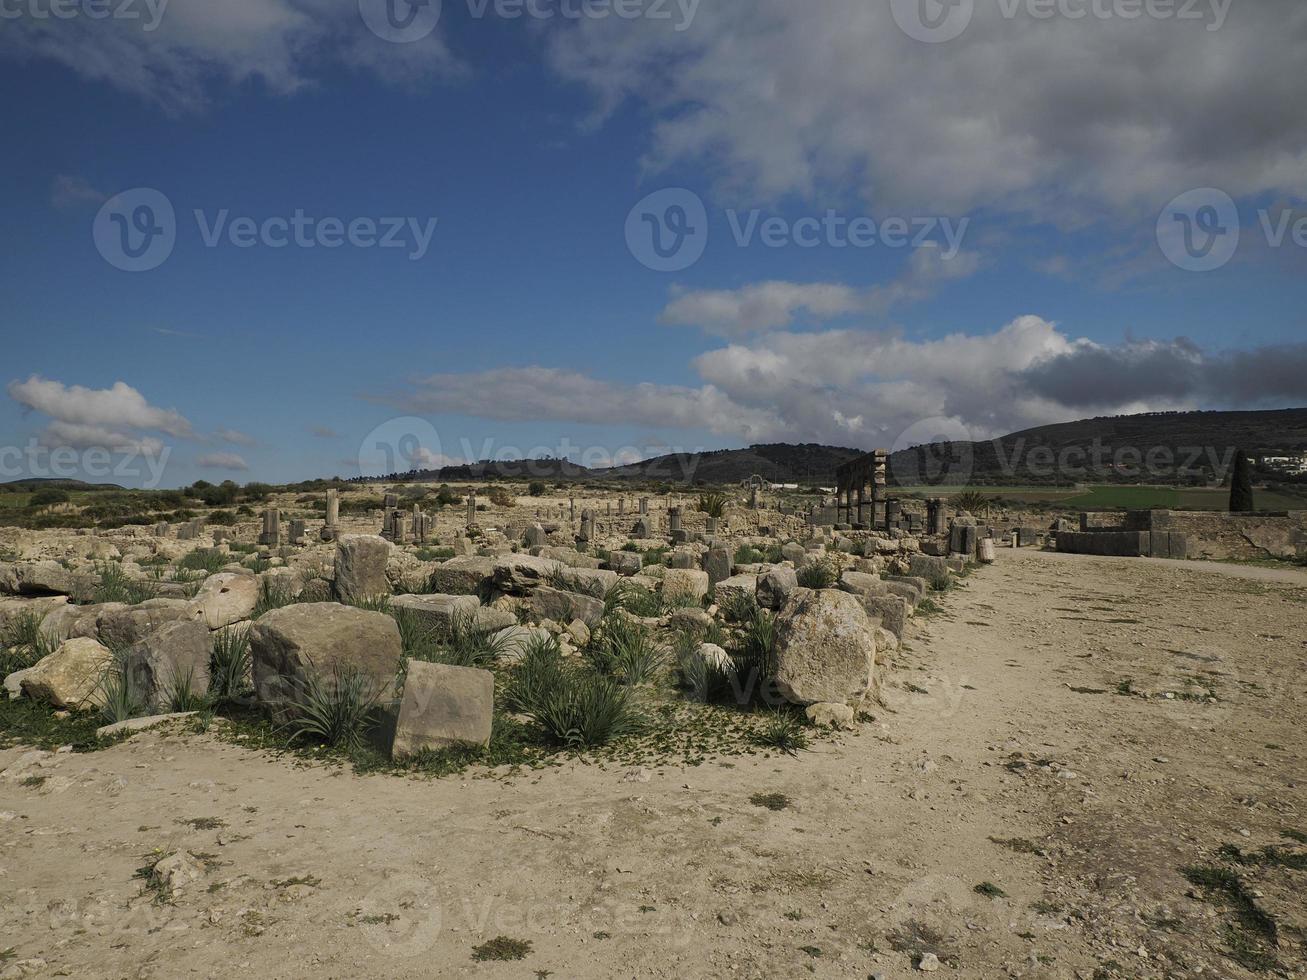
pixel 1051 147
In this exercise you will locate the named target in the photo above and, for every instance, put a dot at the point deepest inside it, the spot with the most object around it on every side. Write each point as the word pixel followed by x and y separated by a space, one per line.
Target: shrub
pixel 229 665
pixel 820 574
pixel 537 675
pixel 537 489
pixel 585 710
pixel 272 595
pixel 972 501
pixel 116 586
pixel 782 731
pixel 121 700
pixel 23 643
pixel 335 709
pixel 635 599
pixel 502 497
pixel 713 504
pixel 629 651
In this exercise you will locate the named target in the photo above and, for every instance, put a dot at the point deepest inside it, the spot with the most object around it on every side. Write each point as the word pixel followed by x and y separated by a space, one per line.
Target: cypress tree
pixel 1241 485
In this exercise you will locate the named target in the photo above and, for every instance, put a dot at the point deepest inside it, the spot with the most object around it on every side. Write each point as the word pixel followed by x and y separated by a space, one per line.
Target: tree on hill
pixel 1241 485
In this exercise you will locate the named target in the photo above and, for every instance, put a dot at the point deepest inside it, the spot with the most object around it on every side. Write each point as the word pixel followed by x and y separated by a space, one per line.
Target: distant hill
pixel 1180 447
pixel 1170 446
pixel 38 483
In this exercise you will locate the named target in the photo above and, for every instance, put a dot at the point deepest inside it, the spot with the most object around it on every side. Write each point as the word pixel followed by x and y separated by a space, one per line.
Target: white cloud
pixel 235 438
pixel 768 305
pixel 867 388
pixel 1055 118
pixel 222 461
pixel 282 45
pixel 121 406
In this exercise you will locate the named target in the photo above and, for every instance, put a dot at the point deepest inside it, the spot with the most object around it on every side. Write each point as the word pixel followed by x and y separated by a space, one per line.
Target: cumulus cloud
pixel 1091 376
pixel 174 59
pixel 869 388
pixel 118 406
pixel 222 461
pixel 769 305
pixel 1057 118
pixel 530 393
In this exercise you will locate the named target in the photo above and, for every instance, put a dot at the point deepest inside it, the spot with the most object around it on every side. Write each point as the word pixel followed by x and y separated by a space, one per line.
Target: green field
pixel 1116 497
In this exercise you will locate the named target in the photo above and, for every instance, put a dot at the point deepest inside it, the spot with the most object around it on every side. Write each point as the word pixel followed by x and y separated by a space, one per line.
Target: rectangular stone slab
pixel 443 707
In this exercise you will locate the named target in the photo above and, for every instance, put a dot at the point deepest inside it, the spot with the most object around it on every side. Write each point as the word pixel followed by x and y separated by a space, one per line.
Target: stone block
pixel 444 707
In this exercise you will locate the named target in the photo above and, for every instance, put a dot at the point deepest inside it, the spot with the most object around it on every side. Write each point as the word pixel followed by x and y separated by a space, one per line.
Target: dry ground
pixel 1026 742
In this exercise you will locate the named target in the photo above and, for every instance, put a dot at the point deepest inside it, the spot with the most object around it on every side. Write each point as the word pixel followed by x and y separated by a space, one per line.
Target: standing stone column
pixel 471 509
pixel 644 506
pixel 271 536
pixel 331 526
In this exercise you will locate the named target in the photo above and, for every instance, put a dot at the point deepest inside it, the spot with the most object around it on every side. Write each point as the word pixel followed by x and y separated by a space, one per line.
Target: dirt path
pixel 1032 711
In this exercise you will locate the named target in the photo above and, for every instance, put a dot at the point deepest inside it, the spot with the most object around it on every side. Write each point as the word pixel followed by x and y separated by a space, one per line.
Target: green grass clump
pixel 120 699
pixel 116 586
pixel 989 890
pixel 502 948
pixel 819 574
pixel 771 801
pixel 336 709
pixel 28 722
pixel 782 731
pixel 229 665
pixel 578 708
pixel 207 560
pixel 627 651
pixel 635 599
pixel 23 643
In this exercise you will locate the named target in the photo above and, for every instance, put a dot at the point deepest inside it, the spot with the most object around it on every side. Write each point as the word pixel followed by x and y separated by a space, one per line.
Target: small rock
pixel 929 963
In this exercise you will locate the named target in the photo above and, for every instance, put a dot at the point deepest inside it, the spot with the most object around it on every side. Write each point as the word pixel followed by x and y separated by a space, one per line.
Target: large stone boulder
pixel 465 575
pixel 735 588
pixel 685 584
pixel 929 567
pixel 775 586
pixel 862 583
pixel 793 551
pixel 122 627
pixel 361 561
pixel 444 707
pixel 289 644
pixel 825 649
pixel 161 663
pixel 625 562
pixel 563 607
pixel 438 612
pixel 597 582
pixel 71 677
pixel 226 598
pixel 37 578
pixel 522 574
pixel 893 611
pixel 717 563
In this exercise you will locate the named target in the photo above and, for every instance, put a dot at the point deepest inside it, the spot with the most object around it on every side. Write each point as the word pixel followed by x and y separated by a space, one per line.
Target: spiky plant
pixel 973 502
pixel 713 503
pixel 116 585
pixel 783 731
pixel 23 642
pixel 120 700
pixel 182 695
pixel 820 573
pixel 229 665
pixel 335 709
pixel 586 710
pixel 632 654
pixel 207 560
pixel 536 677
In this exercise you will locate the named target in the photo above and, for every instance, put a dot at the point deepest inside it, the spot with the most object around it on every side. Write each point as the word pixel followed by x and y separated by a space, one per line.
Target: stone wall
pixel 1192 534
pixel 1243 536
